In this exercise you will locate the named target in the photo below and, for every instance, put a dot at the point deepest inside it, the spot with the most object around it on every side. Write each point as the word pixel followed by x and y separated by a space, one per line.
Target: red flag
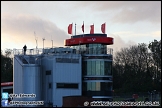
pixel 70 28
pixel 92 29
pixel 103 28
pixel 83 27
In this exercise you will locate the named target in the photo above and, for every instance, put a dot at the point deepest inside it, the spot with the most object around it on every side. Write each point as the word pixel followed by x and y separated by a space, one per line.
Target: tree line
pixel 138 68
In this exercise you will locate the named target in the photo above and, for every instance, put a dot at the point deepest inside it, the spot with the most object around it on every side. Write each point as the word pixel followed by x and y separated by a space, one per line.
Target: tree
pixel 6 66
pixel 155 48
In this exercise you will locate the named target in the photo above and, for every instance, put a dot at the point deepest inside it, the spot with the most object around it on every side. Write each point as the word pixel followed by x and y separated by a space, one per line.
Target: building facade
pixel 83 68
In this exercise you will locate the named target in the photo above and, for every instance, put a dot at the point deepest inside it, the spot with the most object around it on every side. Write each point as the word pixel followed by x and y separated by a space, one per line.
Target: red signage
pixel 89 40
pixel 7 84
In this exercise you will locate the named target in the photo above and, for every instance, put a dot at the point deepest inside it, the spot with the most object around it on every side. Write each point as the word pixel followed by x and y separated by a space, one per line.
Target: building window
pixel 49 85
pixel 97 86
pixel 67 60
pixel 108 68
pixel 48 72
pixel 9 91
pixel 97 67
pixel 97 78
pixel 67 85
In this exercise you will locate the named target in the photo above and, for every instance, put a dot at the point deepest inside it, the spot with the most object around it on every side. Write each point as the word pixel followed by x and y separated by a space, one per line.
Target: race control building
pixel 83 67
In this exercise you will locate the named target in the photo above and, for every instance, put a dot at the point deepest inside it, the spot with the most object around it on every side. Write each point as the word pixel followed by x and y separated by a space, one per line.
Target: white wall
pixel 66 73
pixel 17 77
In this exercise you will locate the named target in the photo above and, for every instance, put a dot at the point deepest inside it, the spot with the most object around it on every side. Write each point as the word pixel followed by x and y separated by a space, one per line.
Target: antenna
pixel 52 41
pixel 36 38
pixel 43 42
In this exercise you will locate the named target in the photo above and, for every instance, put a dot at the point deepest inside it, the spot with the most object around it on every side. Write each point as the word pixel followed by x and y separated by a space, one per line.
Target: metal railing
pixel 39 51
pixel 33 51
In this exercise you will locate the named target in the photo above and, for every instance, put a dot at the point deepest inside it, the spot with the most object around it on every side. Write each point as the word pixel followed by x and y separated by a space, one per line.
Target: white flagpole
pixel 75 28
pixel 83 28
pixel 72 29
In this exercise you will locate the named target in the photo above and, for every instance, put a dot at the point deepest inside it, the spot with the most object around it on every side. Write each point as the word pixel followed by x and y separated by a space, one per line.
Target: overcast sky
pixel 128 22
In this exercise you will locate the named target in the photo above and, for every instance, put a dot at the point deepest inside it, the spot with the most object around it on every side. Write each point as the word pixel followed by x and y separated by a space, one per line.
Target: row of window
pixel 97 78
pixel 90 46
pixel 87 86
pixel 97 67
pixel 91 49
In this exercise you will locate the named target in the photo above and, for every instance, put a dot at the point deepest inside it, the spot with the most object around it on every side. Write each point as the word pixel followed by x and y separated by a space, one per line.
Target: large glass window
pixel 108 68
pixel 97 67
pixel 91 48
pixel 84 68
pixel 89 68
pixel 93 67
pixel 102 67
pixel 97 86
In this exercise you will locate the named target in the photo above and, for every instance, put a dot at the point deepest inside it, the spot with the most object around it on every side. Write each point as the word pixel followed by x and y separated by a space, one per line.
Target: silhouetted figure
pixel 25 47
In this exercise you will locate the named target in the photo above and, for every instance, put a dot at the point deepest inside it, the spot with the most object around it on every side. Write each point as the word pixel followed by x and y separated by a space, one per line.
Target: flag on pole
pixel 103 27
pixel 70 28
pixel 92 29
pixel 83 27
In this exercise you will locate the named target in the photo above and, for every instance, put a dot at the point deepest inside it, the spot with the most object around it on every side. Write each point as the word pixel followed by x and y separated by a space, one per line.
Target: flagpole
pixel 83 28
pixel 93 28
pixel 75 28
pixel 72 29
pixel 105 27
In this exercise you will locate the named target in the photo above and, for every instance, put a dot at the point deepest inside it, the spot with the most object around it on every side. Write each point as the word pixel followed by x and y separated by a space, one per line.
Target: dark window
pixel 9 91
pixel 50 85
pixel 97 78
pixel 67 60
pixel 67 85
pixel 48 72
